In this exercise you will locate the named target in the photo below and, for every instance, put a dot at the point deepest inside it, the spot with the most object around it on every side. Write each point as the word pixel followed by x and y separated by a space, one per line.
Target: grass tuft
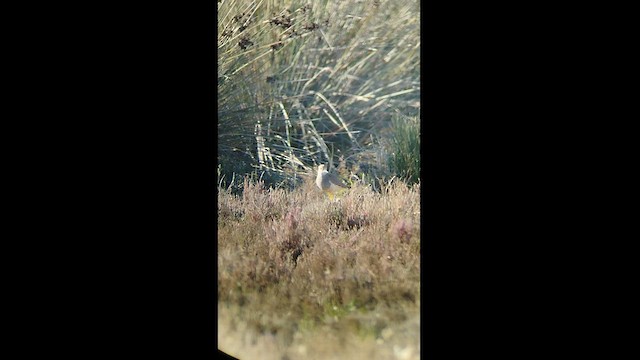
pixel 296 85
pixel 405 148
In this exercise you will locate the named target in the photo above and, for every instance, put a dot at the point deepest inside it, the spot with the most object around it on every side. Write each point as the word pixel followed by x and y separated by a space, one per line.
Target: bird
pixel 327 182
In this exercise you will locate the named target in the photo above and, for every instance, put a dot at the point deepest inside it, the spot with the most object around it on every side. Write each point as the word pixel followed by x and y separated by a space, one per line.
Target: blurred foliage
pixel 404 160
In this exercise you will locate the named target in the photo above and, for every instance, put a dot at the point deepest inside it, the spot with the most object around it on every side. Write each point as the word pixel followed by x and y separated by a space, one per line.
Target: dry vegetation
pixel 302 82
pixel 302 277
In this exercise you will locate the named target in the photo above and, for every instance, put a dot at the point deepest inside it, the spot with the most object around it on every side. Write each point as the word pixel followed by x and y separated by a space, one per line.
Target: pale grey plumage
pixel 328 182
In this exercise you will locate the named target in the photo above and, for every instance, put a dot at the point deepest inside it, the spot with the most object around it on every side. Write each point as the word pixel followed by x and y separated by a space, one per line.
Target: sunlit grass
pixel 302 83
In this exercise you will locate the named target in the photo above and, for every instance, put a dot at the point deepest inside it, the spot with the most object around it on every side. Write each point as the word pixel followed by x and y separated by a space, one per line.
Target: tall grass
pixel 302 83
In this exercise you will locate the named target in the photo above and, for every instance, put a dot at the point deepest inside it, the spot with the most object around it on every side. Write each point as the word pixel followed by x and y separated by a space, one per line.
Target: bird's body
pixel 328 182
